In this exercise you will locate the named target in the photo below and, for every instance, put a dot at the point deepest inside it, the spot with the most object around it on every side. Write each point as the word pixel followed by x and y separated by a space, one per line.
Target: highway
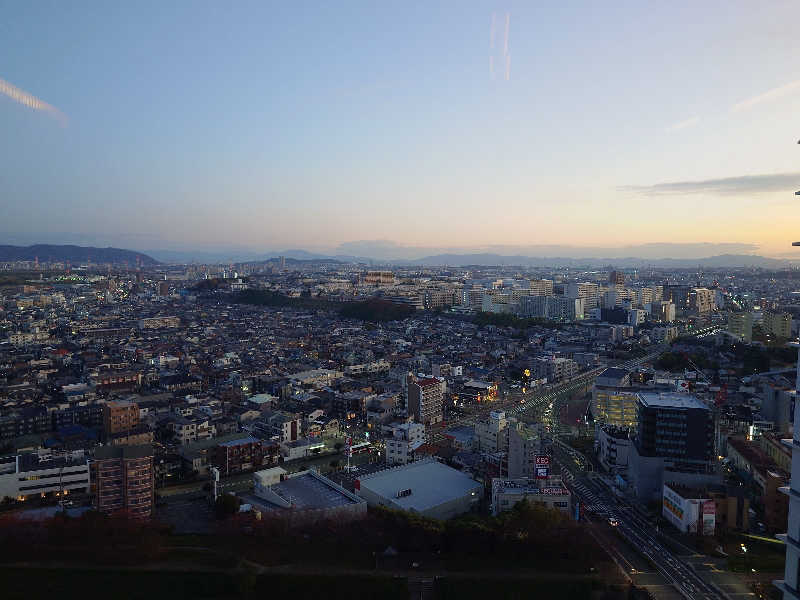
pixel 600 503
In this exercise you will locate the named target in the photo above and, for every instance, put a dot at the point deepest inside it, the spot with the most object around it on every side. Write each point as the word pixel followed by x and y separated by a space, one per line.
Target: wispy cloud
pixel 726 186
pixel 684 124
pixel 29 100
pixel 773 94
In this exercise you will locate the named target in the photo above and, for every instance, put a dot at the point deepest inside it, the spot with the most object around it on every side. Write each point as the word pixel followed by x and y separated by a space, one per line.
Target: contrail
pixel 505 42
pixel 491 66
pixel 30 101
pixel 492 31
pixel 505 47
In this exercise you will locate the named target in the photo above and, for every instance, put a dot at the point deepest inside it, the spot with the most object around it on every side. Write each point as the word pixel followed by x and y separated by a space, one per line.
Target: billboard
pixel 709 517
pixel 542 466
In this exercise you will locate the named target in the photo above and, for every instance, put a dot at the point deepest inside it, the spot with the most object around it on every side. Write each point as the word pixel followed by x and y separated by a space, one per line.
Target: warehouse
pixel 427 487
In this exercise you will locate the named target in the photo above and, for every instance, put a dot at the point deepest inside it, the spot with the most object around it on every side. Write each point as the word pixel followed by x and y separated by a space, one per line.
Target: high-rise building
pixel 614 406
pixel 122 478
pixel 778 324
pixel 282 263
pixel 701 301
pixel 426 399
pixel 587 291
pixel 678 295
pixel 616 278
pixel 554 308
pixel 541 287
pixel 163 288
pixel 740 324
pixel 674 442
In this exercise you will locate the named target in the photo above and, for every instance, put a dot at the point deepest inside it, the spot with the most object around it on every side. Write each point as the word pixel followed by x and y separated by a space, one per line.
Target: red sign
pixel 709 508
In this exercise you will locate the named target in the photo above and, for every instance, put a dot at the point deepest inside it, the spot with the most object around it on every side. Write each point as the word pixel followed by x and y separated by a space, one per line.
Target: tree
pixel 334 464
pixel 226 505
pixel 338 446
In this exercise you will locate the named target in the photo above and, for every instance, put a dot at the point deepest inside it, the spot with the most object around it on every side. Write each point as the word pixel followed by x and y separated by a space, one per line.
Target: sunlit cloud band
pixel 725 186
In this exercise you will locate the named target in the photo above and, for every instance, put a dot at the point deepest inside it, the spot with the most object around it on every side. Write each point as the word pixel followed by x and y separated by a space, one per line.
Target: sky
pixel 196 125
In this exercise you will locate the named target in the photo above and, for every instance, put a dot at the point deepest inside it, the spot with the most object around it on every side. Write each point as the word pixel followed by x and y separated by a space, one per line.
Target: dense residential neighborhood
pixel 275 390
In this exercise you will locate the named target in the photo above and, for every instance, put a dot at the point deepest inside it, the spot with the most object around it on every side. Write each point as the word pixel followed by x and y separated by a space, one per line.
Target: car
pixel 613 521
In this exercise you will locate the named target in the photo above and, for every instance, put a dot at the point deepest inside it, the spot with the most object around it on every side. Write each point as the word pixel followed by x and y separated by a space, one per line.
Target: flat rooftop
pixel 306 492
pixel 431 483
pixel 671 400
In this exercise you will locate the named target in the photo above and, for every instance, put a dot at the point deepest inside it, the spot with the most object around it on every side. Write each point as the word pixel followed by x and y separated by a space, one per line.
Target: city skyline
pixel 447 127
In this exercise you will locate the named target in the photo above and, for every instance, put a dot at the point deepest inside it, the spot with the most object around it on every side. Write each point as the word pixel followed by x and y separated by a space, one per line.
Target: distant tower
pixel 616 278
pixel 283 263
pixel 36 263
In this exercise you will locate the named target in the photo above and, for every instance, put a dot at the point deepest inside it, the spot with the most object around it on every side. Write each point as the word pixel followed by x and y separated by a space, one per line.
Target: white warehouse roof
pixel 430 482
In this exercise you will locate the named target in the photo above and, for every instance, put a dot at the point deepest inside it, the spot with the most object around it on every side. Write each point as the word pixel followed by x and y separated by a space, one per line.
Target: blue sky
pixel 266 125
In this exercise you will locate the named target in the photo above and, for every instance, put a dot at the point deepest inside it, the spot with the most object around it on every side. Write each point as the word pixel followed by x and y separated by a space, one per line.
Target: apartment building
pixel 541 287
pixel 123 480
pixel 491 433
pixel 778 324
pixel 120 416
pixel 426 399
pixel 589 292
pixel 405 440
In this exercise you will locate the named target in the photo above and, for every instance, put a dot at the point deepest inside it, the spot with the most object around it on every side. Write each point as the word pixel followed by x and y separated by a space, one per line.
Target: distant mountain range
pixel 82 254
pixel 720 261
pixel 491 260
pixel 74 254
pixel 297 256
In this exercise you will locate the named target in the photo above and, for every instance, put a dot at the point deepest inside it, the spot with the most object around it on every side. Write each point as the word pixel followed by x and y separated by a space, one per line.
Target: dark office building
pixel 674 443
pixel 676 426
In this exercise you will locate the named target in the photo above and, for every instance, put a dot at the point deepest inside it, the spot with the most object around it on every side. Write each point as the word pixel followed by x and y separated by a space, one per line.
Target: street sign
pixel 542 466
